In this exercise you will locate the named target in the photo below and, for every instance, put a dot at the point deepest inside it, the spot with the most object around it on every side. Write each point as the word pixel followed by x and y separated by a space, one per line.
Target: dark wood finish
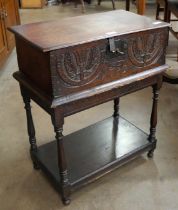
pixel 30 126
pixel 153 119
pixel 116 107
pixel 84 103
pixel 58 121
pixel 94 72
pixel 9 16
pixel 72 31
pixel 32 62
pixel 161 6
pixel 110 143
pixel 127 5
pixel 73 69
pixel 19 2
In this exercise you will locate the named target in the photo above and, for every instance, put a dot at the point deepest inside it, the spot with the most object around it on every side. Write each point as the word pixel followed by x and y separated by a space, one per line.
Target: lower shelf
pixel 94 151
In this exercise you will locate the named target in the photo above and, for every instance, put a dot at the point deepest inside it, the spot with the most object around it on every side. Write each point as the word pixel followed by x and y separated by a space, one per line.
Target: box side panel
pixel 35 65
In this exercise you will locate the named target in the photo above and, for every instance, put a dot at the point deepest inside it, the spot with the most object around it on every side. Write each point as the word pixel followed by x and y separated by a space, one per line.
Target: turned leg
pixel 127 5
pixel 153 120
pixel 63 173
pixel 157 11
pixel 113 4
pixel 82 3
pixel 30 127
pixel 116 107
pixel 83 6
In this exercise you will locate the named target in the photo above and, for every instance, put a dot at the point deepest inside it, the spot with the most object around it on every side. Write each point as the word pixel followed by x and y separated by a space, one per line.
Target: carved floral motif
pixel 145 49
pixel 80 66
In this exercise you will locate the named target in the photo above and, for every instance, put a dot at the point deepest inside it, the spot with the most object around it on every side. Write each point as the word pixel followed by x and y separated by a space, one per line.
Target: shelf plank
pixel 95 150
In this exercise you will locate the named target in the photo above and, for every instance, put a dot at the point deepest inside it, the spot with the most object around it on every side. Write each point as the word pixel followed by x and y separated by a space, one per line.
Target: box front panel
pixel 85 66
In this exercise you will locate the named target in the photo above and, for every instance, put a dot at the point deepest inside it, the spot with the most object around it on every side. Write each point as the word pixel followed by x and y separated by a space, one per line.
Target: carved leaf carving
pixel 145 49
pixel 78 67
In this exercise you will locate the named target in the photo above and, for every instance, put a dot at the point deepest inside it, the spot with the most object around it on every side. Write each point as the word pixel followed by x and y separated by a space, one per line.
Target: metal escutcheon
pixel 117 46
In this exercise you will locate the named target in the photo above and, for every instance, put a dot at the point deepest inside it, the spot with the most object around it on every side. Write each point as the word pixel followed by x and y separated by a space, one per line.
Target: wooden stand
pixel 68 162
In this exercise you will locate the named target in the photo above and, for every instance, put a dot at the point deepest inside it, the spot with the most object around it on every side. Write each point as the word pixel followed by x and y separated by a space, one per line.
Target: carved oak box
pixel 78 54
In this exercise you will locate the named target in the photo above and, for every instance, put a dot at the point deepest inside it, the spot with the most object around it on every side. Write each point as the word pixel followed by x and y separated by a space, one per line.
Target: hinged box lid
pixel 72 31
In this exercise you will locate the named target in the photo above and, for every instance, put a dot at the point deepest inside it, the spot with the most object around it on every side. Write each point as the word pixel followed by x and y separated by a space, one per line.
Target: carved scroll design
pixel 82 65
pixel 79 66
pixel 145 49
pixel 137 51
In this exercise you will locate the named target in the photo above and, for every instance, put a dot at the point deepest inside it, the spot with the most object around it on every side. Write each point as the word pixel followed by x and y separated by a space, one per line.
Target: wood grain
pixel 52 35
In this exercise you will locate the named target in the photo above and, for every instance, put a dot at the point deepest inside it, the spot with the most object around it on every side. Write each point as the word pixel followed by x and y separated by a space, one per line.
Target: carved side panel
pixel 87 65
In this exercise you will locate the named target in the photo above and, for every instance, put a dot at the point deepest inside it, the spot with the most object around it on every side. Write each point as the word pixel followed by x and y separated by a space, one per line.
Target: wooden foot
pixel 150 154
pixel 66 201
pixel 36 166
